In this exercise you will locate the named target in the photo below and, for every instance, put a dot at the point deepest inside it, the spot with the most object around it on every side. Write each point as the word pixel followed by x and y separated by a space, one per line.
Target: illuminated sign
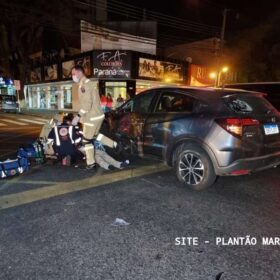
pixel 111 64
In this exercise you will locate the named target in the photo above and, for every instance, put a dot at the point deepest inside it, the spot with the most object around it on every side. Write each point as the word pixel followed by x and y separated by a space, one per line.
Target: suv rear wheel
pixel 194 167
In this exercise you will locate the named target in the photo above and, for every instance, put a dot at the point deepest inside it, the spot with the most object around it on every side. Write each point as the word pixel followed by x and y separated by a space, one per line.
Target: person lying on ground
pixel 106 161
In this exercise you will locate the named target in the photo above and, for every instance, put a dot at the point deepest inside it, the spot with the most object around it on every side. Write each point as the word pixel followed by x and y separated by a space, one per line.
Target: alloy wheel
pixel 191 169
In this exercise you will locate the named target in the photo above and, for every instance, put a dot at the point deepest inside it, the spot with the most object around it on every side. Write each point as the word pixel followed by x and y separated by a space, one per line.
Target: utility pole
pixel 144 15
pixel 222 39
pixel 223 30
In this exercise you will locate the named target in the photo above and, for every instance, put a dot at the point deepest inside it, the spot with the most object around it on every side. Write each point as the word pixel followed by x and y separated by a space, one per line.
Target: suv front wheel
pixel 194 167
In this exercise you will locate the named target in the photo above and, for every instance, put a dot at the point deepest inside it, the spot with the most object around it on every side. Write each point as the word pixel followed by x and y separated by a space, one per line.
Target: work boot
pixel 124 164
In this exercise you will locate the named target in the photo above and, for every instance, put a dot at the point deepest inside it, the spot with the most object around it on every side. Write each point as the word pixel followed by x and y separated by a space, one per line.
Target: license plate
pixel 271 128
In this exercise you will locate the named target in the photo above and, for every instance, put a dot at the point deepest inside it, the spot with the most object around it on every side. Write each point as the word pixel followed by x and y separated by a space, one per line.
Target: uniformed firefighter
pixel 91 115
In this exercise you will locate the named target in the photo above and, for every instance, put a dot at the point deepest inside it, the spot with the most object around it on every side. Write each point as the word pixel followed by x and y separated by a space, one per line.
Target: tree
pixel 256 52
pixel 22 26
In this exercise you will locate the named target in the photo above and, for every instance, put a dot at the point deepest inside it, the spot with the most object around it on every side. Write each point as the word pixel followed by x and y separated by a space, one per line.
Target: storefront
pixel 116 73
pixel 202 76
pixel 54 96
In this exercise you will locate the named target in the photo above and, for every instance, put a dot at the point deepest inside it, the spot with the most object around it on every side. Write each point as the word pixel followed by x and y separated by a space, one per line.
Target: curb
pixel 18 199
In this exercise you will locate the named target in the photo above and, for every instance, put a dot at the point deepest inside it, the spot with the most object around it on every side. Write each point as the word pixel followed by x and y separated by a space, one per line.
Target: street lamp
pixel 213 75
pixel 218 76
pixel 225 69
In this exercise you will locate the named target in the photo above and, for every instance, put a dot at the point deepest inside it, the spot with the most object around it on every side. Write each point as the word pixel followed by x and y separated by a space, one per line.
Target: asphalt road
pixel 17 130
pixel 70 233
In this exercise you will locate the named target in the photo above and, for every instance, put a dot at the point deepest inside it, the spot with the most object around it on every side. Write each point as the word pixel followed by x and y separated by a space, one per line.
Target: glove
pixel 75 120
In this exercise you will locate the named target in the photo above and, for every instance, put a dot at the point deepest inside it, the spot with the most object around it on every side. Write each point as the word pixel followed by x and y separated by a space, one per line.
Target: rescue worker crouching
pixel 91 115
pixel 64 139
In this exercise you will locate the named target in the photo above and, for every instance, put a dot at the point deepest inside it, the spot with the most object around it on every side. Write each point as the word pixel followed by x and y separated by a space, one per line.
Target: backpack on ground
pixel 32 151
pixel 11 167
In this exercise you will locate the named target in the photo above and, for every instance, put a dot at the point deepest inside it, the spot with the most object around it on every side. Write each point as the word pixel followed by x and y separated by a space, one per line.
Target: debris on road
pixel 120 222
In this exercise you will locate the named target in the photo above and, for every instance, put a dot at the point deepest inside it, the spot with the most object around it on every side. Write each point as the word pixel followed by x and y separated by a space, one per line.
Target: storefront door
pixel 116 90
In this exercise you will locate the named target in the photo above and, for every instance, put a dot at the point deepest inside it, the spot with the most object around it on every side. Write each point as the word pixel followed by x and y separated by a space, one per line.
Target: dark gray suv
pixel 202 133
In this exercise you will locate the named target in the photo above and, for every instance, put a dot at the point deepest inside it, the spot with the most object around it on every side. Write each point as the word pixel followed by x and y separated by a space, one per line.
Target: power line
pixel 68 30
pixel 178 24
pixel 167 17
pixel 162 19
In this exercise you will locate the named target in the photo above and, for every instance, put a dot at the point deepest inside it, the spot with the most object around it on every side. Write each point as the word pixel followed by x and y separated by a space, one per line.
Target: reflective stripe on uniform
pixel 82 112
pixel 71 133
pixel 99 137
pixel 89 124
pixel 97 118
pixel 56 136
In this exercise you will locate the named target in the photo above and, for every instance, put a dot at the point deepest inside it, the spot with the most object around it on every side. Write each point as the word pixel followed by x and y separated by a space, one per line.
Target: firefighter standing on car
pixel 91 115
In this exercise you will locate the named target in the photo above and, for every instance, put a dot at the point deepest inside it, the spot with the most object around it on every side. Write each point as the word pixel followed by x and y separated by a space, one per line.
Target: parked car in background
pixel 272 90
pixel 8 103
pixel 202 133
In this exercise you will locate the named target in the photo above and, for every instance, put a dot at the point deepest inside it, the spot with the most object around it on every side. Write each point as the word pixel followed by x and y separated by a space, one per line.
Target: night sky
pixel 243 14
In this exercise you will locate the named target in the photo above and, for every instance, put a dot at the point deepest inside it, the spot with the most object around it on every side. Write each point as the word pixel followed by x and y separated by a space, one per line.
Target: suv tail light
pixel 235 125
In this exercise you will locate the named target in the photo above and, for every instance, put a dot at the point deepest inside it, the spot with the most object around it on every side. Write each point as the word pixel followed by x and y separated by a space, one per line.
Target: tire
pixel 193 167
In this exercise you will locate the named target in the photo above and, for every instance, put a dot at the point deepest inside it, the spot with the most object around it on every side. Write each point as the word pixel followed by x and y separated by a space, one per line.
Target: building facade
pixel 118 73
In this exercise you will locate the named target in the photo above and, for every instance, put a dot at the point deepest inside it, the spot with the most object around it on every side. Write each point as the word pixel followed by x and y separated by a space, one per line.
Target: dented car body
pixel 202 133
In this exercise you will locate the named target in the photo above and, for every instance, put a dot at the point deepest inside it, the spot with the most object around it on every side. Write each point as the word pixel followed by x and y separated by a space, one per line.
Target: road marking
pixel 34 182
pixel 17 199
pixel 13 122
pixel 44 120
pixel 26 133
pixel 17 180
pixel 32 121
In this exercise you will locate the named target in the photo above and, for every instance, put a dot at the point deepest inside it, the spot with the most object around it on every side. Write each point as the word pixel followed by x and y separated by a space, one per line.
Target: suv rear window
pixel 246 104
pixel 9 98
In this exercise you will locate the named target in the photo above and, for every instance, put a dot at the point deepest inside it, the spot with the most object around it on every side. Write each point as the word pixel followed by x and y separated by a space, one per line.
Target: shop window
pixel 34 99
pixel 116 90
pixel 53 92
pixel 67 97
pixel 43 102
